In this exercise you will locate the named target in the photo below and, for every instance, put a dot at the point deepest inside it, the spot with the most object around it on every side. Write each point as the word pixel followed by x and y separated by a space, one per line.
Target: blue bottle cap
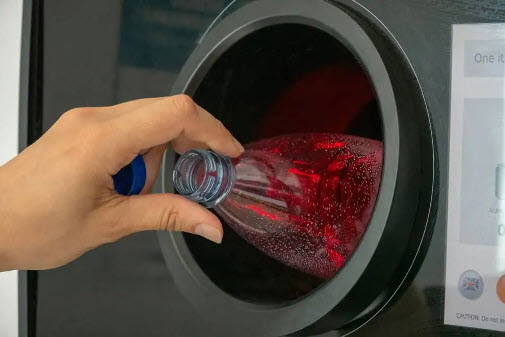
pixel 131 179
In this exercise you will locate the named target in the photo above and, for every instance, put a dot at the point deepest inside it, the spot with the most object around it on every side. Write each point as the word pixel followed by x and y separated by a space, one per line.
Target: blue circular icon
pixel 471 285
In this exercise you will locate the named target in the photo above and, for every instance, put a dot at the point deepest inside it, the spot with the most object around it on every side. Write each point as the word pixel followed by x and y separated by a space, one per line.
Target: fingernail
pixel 238 145
pixel 209 232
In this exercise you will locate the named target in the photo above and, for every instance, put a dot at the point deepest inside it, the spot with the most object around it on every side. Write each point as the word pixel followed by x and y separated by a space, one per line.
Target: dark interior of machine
pixel 286 78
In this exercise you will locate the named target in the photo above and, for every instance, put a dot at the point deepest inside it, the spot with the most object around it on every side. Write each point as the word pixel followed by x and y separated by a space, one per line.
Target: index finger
pixel 167 119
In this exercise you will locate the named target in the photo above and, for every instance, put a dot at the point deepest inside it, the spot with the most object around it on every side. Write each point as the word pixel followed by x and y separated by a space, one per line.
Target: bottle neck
pixel 204 177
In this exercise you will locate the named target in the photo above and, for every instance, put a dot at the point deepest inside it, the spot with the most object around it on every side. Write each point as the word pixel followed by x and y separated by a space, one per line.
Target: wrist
pixel 5 224
pixel 6 262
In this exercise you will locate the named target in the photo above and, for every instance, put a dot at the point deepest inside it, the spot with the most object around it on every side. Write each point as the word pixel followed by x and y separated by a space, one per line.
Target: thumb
pixel 168 212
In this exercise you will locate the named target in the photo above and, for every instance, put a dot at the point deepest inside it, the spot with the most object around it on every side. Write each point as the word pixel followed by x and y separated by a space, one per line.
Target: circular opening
pixel 282 79
pixel 190 173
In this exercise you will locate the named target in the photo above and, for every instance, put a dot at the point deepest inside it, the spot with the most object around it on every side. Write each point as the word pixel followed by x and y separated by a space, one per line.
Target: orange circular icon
pixel 500 288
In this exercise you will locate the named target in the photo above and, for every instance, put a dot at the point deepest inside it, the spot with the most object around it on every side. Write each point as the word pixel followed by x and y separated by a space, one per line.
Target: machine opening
pixel 283 79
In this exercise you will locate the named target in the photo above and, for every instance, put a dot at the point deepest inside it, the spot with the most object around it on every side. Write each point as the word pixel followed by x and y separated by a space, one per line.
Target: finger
pixel 108 112
pixel 128 106
pixel 152 159
pixel 182 144
pixel 167 119
pixel 164 212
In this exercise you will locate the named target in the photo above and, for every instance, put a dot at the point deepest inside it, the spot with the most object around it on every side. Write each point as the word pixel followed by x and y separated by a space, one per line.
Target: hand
pixel 57 197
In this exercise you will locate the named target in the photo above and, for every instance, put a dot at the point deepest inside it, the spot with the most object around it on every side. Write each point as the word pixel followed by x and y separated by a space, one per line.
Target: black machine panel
pixel 103 52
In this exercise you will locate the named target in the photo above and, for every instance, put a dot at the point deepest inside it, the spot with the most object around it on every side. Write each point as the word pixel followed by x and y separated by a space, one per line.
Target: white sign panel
pixel 475 260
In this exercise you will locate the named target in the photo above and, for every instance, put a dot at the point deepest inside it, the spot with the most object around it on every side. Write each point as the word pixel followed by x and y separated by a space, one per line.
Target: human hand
pixel 58 199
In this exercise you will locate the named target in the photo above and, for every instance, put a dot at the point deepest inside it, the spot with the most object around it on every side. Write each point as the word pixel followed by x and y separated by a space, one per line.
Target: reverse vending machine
pixel 423 78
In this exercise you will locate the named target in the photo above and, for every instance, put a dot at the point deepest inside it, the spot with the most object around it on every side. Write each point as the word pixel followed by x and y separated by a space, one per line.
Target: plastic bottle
pixel 303 199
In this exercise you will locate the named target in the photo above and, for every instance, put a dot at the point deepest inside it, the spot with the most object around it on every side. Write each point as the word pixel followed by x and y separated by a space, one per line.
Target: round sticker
pixel 500 288
pixel 471 285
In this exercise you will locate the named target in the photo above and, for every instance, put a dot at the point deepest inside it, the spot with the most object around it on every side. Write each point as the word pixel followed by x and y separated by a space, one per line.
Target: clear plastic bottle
pixel 303 199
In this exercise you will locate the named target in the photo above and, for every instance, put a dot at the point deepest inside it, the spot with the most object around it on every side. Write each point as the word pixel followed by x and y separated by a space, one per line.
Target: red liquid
pixel 305 199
